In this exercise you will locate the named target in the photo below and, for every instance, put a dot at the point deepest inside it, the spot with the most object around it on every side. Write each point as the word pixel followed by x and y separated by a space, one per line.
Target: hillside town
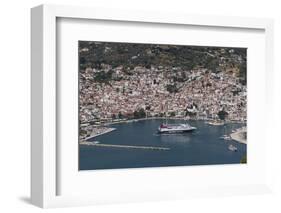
pixel 120 93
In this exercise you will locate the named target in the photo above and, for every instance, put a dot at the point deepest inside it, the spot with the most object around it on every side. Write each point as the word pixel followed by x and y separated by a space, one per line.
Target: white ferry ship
pixel 175 128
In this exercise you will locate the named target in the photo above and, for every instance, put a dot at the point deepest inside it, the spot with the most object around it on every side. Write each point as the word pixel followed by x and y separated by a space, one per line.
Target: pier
pixel 100 132
pixel 125 146
pixel 238 135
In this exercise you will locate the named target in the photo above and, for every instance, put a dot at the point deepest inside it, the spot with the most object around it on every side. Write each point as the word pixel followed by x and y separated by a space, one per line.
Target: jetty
pixel 88 143
pixel 98 132
pixel 239 135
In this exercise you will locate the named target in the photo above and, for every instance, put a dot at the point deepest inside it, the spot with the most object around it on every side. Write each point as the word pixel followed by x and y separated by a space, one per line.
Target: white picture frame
pixel 44 149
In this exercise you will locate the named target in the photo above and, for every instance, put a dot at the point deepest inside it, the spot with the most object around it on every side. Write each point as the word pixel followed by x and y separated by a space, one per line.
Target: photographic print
pixel 159 105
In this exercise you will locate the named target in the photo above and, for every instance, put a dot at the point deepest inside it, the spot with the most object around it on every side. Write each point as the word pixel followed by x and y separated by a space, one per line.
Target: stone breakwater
pixel 124 146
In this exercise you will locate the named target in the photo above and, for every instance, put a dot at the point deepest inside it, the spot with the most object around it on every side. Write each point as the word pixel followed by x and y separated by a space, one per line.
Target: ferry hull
pixel 175 131
pixel 175 128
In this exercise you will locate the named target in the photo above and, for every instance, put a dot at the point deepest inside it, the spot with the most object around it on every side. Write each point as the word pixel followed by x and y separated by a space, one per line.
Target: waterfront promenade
pixel 104 128
pixel 117 121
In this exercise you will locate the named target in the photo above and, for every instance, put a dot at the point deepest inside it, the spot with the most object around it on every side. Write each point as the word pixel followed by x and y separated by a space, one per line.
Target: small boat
pixel 226 137
pixel 232 148
pixel 215 123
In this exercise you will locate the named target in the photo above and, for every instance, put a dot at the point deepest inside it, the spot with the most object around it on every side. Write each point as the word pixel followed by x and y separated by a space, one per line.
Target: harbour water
pixel 201 147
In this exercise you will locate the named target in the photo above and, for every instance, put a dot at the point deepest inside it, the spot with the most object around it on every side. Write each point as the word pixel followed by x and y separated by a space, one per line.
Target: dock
pixel 100 133
pixel 238 135
pixel 125 146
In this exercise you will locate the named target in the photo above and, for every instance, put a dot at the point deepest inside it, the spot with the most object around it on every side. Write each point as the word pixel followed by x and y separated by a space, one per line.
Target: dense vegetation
pixel 222 115
pixel 94 54
pixel 139 113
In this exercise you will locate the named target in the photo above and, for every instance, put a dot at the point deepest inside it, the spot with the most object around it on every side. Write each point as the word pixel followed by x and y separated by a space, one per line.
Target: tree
pixel 103 77
pixel 120 116
pixel 172 114
pixel 191 114
pixel 243 73
pixel 212 64
pixel 172 88
pixel 113 116
pixel 139 113
pixel 82 60
pixel 222 114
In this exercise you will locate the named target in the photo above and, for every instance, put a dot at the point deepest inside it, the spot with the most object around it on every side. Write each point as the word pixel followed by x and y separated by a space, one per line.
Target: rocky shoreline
pixel 240 135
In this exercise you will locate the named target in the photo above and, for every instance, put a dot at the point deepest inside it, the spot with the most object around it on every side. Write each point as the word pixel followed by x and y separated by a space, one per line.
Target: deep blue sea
pixel 201 147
